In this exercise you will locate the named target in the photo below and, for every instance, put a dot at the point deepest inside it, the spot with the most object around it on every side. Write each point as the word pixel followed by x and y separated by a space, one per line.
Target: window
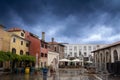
pixel 42 54
pixel 79 53
pixel 85 53
pixel 55 48
pixel 27 44
pixel 70 49
pixel 46 46
pixel 84 47
pixel 42 45
pixel 27 53
pixel 75 48
pixel 70 53
pixel 14 40
pixel 21 52
pixel 21 42
pixel 75 54
pixel 22 34
pixel 45 55
pixel 89 47
pixel 86 58
pixel 13 50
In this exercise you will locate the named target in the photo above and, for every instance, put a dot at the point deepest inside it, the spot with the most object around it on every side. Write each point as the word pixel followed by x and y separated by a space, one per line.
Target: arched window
pixel 107 57
pixel 14 40
pixel 55 49
pixel 79 53
pixel 14 50
pixel 21 52
pixel 101 57
pixel 115 55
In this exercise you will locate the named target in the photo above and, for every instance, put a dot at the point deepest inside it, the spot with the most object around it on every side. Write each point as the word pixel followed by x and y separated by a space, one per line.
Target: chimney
pixel 52 39
pixel 43 36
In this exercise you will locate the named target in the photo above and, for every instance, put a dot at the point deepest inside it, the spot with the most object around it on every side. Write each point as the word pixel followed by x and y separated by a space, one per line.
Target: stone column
pixel 100 62
pixel 105 62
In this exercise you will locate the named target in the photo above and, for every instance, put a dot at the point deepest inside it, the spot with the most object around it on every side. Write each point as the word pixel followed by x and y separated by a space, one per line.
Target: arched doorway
pixel 115 55
pixel 107 57
pixel 13 50
pixel 21 52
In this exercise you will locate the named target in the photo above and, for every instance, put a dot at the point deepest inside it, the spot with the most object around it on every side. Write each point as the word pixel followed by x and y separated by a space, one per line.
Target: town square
pixel 59 40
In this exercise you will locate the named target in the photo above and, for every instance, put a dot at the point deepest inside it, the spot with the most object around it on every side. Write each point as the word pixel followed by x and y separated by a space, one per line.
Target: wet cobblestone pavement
pixel 108 77
pixel 64 74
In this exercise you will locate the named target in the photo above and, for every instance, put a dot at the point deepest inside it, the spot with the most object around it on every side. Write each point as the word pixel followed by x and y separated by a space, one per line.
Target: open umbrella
pixel 77 60
pixel 89 62
pixel 64 60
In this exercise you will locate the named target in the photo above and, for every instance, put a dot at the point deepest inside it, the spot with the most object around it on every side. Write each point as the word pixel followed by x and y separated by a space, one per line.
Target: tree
pixel 14 58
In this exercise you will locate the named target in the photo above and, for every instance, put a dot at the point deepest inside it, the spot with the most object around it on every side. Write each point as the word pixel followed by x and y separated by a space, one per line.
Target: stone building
pixel 53 56
pixel 107 54
pixel 57 47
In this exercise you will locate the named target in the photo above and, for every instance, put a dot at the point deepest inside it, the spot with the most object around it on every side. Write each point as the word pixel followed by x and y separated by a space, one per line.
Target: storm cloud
pixel 69 21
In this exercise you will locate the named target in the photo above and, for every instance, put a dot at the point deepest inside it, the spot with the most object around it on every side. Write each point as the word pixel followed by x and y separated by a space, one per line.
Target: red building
pixel 34 46
pixel 44 52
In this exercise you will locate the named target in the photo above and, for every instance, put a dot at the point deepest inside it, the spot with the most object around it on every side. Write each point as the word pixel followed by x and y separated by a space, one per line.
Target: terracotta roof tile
pixel 108 46
pixel 14 29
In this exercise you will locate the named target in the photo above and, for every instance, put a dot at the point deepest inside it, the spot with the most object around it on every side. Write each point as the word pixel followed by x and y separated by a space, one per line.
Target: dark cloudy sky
pixel 70 21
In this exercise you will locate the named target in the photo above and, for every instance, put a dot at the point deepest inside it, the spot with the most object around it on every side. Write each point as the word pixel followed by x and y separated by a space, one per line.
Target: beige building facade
pixel 18 44
pixel 4 40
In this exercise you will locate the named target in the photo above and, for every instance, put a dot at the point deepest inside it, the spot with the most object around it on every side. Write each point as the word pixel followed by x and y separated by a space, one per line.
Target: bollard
pixel 32 70
pixel 27 70
pixel 45 70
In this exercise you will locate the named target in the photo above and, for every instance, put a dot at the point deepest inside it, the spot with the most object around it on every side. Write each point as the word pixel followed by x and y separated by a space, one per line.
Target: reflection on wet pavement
pixel 66 74
pixel 74 75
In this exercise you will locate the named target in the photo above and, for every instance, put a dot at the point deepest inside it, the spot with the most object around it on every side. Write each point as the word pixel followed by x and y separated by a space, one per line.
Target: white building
pixel 53 59
pixel 81 50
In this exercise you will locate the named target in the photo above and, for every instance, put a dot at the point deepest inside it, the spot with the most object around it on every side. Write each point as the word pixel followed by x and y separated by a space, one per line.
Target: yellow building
pixel 14 41
pixel 18 43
